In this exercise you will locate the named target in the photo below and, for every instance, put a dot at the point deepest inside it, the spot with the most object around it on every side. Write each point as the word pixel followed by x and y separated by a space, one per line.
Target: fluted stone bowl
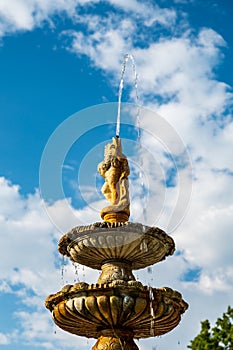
pixel 87 310
pixel 138 244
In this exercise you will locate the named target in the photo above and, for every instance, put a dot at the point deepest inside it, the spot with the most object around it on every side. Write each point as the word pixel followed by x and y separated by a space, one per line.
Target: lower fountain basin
pixel 88 310
pixel 135 243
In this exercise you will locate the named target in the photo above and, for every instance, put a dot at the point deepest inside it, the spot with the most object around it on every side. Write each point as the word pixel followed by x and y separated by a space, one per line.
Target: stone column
pixel 117 339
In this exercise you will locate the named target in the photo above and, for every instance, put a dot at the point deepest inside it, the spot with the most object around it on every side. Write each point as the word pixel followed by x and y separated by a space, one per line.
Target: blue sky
pixel 60 66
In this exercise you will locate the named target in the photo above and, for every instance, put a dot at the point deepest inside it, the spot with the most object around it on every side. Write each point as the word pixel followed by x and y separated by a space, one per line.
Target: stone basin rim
pixel 93 244
pixel 169 306
pixel 129 228
pixel 123 289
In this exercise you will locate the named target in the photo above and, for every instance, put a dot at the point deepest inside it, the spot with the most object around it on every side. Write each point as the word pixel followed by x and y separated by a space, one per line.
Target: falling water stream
pixel 62 269
pixel 130 57
pixel 121 85
pixel 151 298
pixel 76 271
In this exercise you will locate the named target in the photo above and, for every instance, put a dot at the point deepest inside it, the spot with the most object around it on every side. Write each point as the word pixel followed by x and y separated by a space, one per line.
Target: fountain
pixel 117 309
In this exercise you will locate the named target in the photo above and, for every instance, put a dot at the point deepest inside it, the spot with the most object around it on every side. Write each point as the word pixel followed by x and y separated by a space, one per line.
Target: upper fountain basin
pixel 134 243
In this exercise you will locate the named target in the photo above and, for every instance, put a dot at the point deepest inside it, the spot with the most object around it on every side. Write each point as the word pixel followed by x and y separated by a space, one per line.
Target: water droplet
pixel 151 298
pixel 151 293
pixel 62 269
pixel 152 328
pixel 76 268
pixel 84 272
pixel 143 246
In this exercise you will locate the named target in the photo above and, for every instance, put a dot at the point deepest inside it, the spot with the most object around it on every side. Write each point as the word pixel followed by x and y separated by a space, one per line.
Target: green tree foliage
pixel 218 337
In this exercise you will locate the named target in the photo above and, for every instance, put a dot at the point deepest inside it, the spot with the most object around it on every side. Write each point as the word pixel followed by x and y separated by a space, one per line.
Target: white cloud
pixel 207 241
pixel 24 225
pixel 4 340
pixel 29 268
pixel 25 15
pixel 106 45
pixel 179 68
pixel 40 331
pixel 151 13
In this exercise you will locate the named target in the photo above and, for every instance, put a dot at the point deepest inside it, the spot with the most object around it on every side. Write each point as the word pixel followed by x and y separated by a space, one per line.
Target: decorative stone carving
pixel 145 312
pixel 116 270
pixel 115 340
pixel 115 170
pixel 138 244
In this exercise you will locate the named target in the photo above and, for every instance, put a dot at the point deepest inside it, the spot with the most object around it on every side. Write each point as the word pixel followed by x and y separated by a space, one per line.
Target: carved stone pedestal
pixel 115 340
pixel 113 270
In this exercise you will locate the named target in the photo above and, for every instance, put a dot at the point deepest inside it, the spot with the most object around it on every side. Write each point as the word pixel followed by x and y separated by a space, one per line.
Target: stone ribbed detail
pixel 138 244
pixel 92 309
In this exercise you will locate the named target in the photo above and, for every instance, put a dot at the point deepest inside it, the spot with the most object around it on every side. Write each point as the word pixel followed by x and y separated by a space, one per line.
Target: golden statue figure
pixel 115 169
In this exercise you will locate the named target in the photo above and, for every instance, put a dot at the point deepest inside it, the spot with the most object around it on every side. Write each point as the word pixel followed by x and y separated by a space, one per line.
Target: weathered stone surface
pixel 115 340
pixel 138 244
pixel 115 170
pixel 143 311
pixel 116 270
